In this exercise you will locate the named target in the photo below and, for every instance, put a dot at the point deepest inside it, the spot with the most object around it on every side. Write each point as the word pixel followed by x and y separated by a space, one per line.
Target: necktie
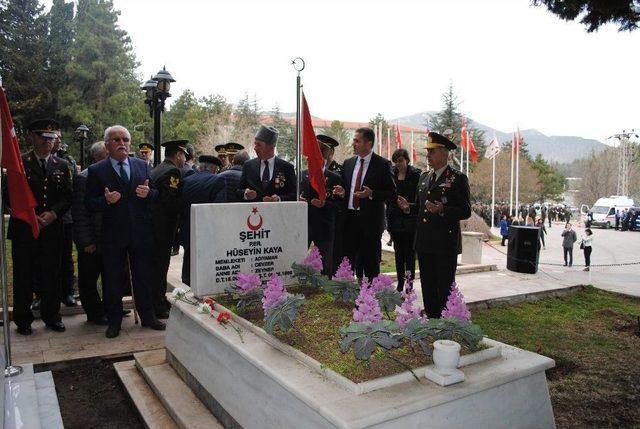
pixel 356 200
pixel 123 172
pixel 43 164
pixel 265 175
pixel 432 178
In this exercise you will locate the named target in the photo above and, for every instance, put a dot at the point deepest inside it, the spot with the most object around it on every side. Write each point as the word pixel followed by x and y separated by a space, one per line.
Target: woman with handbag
pixel 585 245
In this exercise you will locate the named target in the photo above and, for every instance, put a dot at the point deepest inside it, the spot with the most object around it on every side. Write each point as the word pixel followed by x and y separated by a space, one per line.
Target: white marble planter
pixel 263 383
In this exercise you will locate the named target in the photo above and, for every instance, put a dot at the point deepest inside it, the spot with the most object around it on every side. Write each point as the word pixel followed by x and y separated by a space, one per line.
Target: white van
pixel 603 212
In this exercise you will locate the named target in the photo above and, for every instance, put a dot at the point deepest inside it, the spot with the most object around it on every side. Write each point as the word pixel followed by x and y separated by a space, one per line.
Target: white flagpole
pixel 518 171
pixel 513 148
pixel 493 191
pixel 380 138
pixel 461 156
pixel 468 144
pixel 413 160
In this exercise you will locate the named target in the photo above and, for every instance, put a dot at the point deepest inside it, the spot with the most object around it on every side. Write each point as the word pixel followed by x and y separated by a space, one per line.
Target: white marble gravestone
pixel 227 239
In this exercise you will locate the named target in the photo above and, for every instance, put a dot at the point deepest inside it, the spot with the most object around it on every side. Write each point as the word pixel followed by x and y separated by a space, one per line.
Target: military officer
pixel 232 149
pixel 322 214
pixel 145 151
pixel 267 178
pixel 167 179
pixel 206 186
pixel 49 179
pixel 442 201
pixel 189 166
pixel 334 166
pixel 221 150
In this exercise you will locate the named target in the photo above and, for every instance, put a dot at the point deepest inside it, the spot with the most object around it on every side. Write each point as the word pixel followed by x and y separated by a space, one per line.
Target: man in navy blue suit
pixel 118 187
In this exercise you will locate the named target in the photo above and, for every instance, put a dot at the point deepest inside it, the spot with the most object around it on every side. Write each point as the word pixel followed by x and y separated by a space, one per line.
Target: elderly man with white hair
pixel 118 187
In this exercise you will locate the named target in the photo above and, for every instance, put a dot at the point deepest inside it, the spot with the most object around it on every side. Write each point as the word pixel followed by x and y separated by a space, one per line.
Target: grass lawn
pixel 591 336
pixel 388 263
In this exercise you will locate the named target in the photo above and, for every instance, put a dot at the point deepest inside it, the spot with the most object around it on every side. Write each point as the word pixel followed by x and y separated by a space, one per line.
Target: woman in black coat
pixel 402 226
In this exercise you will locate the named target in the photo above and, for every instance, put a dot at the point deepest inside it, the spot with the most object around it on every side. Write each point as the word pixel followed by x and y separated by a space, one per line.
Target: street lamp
pixel 156 92
pixel 82 132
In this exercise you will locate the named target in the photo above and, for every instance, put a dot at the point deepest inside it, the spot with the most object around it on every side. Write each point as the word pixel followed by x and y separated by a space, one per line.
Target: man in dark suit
pixel 49 178
pixel 206 186
pixel 167 179
pixel 119 188
pixel 368 183
pixel 232 176
pixel 267 178
pixel 322 214
pixel 86 233
pixel 441 203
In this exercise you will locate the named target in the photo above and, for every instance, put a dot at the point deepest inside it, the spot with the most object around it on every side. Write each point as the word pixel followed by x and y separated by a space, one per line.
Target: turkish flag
pixel 473 153
pixel 21 198
pixel 311 149
pixel 398 137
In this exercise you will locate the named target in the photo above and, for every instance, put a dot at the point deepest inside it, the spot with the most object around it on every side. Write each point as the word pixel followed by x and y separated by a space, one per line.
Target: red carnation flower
pixel 209 301
pixel 224 317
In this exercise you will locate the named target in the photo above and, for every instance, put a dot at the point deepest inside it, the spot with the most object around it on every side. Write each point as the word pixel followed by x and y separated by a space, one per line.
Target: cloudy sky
pixel 511 64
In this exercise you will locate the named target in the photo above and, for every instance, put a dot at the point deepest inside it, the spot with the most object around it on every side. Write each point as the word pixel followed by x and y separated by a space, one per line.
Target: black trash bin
pixel 523 252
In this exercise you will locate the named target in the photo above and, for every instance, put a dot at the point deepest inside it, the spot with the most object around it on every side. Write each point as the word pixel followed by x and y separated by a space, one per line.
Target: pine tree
pixel 102 87
pixel 286 135
pixel 23 60
pixel 246 119
pixel 59 44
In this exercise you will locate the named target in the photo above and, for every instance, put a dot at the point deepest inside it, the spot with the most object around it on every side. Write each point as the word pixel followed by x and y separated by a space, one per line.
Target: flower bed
pixel 361 331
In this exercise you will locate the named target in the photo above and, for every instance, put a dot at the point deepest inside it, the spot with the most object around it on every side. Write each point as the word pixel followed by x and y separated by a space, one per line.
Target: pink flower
pixel 274 293
pixel 408 311
pixel 456 306
pixel 367 307
pixel 247 282
pixel 344 273
pixel 381 282
pixel 314 259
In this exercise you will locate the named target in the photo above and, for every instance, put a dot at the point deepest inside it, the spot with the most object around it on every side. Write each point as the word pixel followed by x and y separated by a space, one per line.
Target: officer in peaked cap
pixel 167 179
pixel 331 143
pixel 267 178
pixel 49 178
pixel 189 165
pixel 206 186
pixel 221 150
pixel 146 153
pixel 442 201
pixel 232 148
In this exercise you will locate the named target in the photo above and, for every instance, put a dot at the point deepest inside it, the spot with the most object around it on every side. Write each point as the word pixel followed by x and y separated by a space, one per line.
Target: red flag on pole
pixel 473 154
pixel 398 137
pixel 21 198
pixel 464 135
pixel 311 149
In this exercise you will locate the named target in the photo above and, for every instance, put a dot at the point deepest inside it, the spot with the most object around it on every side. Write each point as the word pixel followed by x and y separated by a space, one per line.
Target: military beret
pixel 327 141
pixel 180 145
pixel 435 140
pixel 145 146
pixel 221 149
pixel 266 134
pixel 233 148
pixel 45 127
pixel 210 159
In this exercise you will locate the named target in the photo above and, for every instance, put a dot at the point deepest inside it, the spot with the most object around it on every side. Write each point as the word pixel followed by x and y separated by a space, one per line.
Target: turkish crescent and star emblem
pixel 251 226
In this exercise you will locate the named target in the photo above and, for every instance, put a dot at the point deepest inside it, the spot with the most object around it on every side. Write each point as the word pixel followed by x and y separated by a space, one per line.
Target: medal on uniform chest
pixel 279 180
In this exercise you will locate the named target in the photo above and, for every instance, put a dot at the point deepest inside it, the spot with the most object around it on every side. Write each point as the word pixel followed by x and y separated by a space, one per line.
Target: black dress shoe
pixel 35 305
pixel 162 314
pixel 100 320
pixel 69 301
pixel 154 324
pixel 56 326
pixel 113 331
pixel 25 330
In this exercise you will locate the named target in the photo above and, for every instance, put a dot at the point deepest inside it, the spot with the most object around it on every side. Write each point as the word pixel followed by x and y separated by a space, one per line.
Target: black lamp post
pixel 82 132
pixel 156 92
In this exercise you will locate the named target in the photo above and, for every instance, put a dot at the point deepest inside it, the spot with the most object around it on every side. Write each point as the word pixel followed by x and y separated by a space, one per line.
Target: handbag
pixel 582 244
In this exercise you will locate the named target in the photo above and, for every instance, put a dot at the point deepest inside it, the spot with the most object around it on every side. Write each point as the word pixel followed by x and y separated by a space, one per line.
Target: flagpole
pixel 388 142
pixel 461 155
pixel 493 191
pixel 298 65
pixel 413 158
pixel 9 369
pixel 518 171
pixel 468 144
pixel 513 148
